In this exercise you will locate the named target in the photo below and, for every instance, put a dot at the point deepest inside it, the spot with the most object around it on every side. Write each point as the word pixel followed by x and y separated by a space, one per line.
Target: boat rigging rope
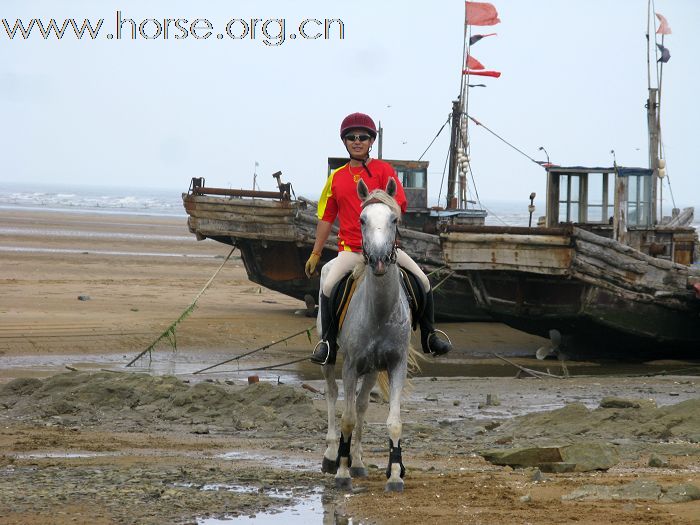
pixel 502 139
pixel 444 170
pixel 435 137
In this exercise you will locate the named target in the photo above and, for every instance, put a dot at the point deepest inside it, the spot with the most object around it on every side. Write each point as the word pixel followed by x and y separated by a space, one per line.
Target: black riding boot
pixel 430 340
pixel 326 348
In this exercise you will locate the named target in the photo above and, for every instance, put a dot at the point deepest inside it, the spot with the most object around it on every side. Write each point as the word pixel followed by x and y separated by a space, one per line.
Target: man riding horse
pixel 339 199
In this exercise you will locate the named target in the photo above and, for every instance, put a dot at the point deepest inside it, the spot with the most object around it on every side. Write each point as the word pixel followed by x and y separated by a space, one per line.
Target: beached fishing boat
pixel 605 273
pixel 275 233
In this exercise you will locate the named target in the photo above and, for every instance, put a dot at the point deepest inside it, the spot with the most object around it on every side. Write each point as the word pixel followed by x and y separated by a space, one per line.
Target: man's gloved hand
pixel 311 264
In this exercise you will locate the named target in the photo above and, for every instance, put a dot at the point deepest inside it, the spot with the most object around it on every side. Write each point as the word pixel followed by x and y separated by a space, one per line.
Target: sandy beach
pixel 90 291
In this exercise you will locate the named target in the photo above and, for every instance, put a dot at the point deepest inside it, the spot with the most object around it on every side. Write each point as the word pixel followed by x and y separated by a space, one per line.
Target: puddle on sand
pixel 314 509
pixel 184 363
pixel 293 463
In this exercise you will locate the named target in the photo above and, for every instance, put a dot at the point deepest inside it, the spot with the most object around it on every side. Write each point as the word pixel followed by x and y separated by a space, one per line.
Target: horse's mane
pixel 384 198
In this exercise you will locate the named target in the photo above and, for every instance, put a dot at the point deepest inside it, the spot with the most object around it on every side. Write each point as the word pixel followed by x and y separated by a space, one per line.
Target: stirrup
pixel 431 334
pixel 328 353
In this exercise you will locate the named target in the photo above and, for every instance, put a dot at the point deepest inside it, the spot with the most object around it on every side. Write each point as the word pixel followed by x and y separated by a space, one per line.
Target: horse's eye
pixel 362 221
pixel 393 221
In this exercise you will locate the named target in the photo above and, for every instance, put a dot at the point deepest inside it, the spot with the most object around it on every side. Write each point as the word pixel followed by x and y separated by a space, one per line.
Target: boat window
pixel 600 193
pixel 638 200
pixel 401 174
pixel 412 178
pixel 419 179
pixel 569 191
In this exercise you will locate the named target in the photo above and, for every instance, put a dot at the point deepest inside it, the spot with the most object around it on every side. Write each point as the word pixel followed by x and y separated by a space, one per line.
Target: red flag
pixel 481 14
pixel 494 74
pixel 664 28
pixel 473 63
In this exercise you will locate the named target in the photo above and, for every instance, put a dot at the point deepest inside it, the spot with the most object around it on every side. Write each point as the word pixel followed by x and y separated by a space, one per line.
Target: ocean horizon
pixel 108 200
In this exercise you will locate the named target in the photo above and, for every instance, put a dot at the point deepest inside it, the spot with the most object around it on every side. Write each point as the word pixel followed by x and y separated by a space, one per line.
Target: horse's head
pixel 379 222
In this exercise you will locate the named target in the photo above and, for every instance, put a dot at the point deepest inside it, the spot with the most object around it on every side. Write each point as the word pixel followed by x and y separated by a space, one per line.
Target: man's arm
pixel 323 230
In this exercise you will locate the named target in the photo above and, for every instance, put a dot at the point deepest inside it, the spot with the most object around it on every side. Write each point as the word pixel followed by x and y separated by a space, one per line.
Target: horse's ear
pixel 362 190
pixel 391 187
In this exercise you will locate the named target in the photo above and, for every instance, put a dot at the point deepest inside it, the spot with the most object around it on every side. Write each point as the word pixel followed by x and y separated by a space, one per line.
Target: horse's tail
pixel 414 359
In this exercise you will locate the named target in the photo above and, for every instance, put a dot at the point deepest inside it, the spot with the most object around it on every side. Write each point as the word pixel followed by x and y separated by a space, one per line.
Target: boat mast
pixel 458 138
pixel 653 125
pixel 454 145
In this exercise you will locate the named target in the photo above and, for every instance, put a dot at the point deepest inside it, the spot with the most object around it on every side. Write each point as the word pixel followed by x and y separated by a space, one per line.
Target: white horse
pixel 375 337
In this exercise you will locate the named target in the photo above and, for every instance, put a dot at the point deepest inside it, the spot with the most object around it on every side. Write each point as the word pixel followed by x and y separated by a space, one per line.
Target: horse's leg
pixel 395 470
pixel 347 424
pixel 329 466
pixel 358 469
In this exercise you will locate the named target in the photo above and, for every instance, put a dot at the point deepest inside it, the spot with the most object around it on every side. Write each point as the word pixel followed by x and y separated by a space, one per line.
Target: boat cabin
pixel 617 203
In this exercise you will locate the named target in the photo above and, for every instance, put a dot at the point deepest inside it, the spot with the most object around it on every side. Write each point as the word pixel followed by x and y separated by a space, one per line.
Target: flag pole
pixel 648 43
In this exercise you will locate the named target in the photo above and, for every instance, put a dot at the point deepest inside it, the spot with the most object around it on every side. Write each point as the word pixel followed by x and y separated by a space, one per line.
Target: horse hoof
pixel 394 486
pixel 358 472
pixel 328 466
pixel 343 483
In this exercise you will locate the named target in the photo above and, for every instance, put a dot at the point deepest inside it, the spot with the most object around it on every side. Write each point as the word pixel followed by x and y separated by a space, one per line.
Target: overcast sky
pixel 156 112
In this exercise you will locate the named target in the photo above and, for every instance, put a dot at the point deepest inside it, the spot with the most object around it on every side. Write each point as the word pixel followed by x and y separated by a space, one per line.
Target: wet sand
pixel 141 272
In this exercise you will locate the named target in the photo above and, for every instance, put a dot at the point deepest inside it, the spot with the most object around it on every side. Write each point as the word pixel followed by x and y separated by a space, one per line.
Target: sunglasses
pixel 361 138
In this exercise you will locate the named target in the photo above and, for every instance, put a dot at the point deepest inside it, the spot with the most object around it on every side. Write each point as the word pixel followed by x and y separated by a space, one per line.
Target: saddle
pixel 345 289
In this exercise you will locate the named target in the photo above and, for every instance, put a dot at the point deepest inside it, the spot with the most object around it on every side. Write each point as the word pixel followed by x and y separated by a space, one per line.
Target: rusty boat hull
pixel 603 297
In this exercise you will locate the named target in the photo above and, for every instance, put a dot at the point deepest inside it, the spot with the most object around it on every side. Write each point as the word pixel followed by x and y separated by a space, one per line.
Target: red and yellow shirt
pixel 339 199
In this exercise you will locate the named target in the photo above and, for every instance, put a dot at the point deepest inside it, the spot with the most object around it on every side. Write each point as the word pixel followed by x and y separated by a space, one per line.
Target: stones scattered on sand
pixel 310 388
pixel 637 490
pixel 657 461
pixel 83 298
pixel 535 475
pixel 619 402
pixel 579 457
pixel 491 401
pixel 681 493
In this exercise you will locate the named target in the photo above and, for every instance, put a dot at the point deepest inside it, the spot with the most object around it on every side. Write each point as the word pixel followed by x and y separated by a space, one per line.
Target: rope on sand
pixel 307 331
pixel 269 367
pixel 438 285
pixel 169 332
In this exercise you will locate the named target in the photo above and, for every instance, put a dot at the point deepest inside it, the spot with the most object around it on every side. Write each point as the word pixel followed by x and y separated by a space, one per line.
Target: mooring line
pixel 306 330
pixel 440 283
pixel 170 330
pixel 270 367
pixel 435 271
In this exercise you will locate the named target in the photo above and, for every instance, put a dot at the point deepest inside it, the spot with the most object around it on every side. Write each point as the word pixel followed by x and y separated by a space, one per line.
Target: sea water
pixel 92 199
pixel 168 202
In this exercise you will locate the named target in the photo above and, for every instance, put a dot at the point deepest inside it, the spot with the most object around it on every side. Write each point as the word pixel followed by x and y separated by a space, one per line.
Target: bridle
pixel 393 255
